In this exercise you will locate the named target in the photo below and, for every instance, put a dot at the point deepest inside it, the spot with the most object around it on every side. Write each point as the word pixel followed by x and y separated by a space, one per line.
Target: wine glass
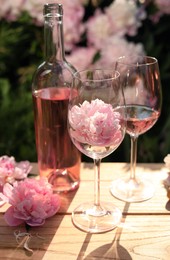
pixel 97 125
pixel 140 79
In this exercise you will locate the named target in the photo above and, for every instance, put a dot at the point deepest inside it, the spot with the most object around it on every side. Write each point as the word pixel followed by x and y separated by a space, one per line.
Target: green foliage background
pixel 21 51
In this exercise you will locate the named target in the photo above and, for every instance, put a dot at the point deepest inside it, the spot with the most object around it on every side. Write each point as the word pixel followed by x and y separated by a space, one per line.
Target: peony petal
pixel 10 219
pixel 7 190
pixel 35 222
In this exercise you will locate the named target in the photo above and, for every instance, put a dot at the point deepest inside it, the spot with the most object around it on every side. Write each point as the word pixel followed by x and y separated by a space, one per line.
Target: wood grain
pixel 143 234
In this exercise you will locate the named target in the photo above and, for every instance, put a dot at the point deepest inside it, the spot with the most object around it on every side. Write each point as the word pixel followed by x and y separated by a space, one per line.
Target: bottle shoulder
pixel 53 74
pixel 57 67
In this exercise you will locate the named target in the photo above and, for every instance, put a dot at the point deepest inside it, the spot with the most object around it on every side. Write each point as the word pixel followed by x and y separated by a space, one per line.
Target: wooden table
pixel 144 233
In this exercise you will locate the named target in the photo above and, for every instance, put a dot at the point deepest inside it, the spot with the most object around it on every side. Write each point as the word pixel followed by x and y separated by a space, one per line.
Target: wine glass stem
pixel 97 183
pixel 133 157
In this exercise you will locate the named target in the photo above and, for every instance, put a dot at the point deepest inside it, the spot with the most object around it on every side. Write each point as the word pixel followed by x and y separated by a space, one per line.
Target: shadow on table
pixel 112 250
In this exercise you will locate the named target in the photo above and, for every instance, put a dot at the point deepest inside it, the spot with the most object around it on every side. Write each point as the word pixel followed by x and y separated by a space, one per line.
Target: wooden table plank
pixel 155 172
pixel 143 234
pixel 136 238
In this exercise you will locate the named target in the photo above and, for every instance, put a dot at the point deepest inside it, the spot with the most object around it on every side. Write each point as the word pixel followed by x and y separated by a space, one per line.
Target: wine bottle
pixel 58 158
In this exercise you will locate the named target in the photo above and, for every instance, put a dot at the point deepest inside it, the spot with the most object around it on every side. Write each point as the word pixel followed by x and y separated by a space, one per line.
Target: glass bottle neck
pixel 53 34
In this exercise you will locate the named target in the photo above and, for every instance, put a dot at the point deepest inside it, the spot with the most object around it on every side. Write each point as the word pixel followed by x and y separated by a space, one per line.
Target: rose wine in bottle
pixel 58 158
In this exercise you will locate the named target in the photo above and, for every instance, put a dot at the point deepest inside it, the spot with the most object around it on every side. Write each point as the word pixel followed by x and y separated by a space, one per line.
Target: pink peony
pixel 115 47
pixel 10 170
pixel 95 123
pixel 10 10
pixel 73 26
pixel 73 15
pixel 120 18
pixel 82 58
pixel 32 201
pixel 163 5
pixel 98 28
pixel 125 17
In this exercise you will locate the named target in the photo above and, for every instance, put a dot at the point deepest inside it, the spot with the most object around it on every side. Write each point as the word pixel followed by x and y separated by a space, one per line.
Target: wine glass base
pixel 132 190
pixel 92 219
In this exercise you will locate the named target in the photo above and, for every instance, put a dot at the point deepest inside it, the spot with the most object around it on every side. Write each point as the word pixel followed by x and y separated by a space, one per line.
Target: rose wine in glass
pixel 96 124
pixel 140 79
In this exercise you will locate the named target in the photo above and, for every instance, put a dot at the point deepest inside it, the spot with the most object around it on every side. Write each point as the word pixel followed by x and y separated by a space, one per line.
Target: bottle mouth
pixel 51 10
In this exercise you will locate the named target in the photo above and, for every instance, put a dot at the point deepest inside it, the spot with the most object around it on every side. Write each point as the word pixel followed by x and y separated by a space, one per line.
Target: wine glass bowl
pixel 96 124
pixel 140 79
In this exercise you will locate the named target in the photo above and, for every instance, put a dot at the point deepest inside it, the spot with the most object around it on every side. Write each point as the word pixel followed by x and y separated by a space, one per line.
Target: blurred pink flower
pixel 72 18
pixel 163 6
pixel 95 123
pixel 119 18
pixel 82 58
pixel 10 10
pixel 10 170
pixel 35 10
pixel 125 17
pixel 102 32
pixel 98 28
pixel 32 201
pixel 115 47
pixel 73 25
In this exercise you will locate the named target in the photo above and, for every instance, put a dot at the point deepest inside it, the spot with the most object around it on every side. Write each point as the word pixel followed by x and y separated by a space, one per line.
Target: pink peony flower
pixel 120 18
pixel 73 26
pixel 95 123
pixel 82 58
pixel 115 47
pixel 10 10
pixel 163 5
pixel 32 201
pixel 72 18
pixel 10 170
pixel 98 28
pixel 125 17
